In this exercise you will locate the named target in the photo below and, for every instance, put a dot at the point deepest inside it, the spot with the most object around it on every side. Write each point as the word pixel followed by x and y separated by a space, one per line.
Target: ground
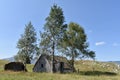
pixel 86 70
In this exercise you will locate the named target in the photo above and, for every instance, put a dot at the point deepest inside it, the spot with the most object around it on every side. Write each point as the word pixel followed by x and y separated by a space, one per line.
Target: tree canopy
pixel 68 39
pixel 74 44
pixel 27 44
pixel 54 29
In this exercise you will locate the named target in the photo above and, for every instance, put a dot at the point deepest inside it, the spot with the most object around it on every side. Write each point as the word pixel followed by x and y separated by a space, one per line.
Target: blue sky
pixel 99 18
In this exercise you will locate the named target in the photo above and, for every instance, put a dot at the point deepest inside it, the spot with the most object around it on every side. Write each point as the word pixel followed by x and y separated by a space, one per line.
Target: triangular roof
pixel 56 58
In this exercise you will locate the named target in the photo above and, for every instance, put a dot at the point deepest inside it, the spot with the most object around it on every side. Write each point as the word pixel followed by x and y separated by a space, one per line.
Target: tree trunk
pixel 28 60
pixel 53 64
pixel 72 61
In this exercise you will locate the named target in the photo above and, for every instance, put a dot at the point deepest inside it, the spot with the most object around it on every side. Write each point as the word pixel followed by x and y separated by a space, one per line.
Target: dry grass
pixel 85 67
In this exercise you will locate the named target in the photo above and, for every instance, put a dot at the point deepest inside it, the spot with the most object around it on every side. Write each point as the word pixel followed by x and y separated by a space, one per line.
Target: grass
pixel 88 70
pixel 96 66
pixel 50 76
pixel 2 63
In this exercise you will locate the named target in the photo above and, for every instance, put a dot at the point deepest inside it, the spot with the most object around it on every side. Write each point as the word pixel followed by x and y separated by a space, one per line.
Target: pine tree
pixel 27 44
pixel 54 30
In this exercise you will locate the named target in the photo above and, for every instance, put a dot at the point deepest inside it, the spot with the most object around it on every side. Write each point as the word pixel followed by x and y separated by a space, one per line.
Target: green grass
pixel 96 66
pixel 88 70
pixel 2 63
pixel 50 76
pixel 29 67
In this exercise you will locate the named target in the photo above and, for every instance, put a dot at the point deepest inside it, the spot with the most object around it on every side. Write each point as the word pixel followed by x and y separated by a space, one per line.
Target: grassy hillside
pixel 97 66
pixel 2 63
pixel 88 70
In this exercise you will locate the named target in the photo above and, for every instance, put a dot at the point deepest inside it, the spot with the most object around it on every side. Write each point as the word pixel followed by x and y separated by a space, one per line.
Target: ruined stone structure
pixel 44 64
pixel 15 66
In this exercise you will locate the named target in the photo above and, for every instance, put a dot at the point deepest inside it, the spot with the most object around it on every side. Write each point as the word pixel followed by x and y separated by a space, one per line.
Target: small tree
pixel 74 43
pixel 27 44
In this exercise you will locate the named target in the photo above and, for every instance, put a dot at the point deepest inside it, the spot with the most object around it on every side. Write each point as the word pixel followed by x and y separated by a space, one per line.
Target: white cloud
pixel 100 43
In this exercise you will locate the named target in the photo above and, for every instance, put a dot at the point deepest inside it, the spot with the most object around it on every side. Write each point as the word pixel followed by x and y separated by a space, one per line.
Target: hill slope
pixel 105 70
pixel 2 63
pixel 97 66
pixel 11 59
pixel 116 62
pixel 83 65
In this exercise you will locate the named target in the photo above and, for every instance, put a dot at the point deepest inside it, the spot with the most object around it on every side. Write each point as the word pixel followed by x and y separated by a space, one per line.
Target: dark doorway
pixel 42 66
pixel 61 67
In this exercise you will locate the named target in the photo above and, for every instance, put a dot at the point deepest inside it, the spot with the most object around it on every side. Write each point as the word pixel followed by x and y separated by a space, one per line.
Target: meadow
pixel 86 70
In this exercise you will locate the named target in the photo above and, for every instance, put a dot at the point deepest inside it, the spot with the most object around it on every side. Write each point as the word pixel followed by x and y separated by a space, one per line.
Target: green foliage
pixel 54 30
pixel 27 44
pixel 54 22
pixel 74 44
pixel 71 41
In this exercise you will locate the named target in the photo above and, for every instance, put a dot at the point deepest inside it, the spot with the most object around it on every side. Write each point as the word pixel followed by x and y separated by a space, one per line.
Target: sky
pixel 99 18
